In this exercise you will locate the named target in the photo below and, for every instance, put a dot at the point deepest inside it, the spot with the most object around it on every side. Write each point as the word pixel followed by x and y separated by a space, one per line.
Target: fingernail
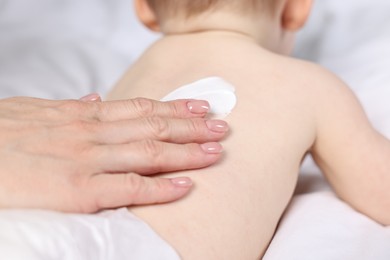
pixel 182 182
pixel 212 148
pixel 198 106
pixel 91 97
pixel 217 126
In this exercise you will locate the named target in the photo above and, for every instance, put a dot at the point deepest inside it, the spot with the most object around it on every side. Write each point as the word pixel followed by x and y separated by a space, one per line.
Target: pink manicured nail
pixel 217 126
pixel 212 148
pixel 182 182
pixel 198 106
pixel 91 98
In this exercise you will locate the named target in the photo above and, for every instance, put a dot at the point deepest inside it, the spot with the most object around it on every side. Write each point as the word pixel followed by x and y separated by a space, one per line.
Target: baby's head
pixel 271 18
pixel 188 8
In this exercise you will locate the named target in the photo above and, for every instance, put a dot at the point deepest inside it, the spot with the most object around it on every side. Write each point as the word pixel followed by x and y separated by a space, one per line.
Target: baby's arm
pixel 354 157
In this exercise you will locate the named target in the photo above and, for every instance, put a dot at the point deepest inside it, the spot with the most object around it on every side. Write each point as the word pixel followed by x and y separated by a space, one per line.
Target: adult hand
pixel 78 156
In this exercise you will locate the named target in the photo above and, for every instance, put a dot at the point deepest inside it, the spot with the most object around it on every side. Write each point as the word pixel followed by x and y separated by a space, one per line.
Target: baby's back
pixel 235 206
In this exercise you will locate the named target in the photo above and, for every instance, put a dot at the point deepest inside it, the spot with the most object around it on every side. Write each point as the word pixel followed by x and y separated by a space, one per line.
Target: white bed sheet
pixel 66 48
pixel 69 48
pixel 110 235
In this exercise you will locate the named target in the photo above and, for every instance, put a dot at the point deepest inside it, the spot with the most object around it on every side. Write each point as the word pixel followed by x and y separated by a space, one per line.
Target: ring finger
pixel 149 157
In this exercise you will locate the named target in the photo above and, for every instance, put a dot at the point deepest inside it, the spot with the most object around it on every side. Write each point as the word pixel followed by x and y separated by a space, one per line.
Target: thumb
pixel 118 190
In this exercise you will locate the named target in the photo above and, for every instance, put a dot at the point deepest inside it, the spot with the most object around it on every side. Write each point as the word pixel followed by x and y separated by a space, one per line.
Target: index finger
pixel 142 107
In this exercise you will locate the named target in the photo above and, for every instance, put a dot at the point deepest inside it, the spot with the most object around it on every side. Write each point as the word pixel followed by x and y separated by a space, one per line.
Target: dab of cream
pixel 217 91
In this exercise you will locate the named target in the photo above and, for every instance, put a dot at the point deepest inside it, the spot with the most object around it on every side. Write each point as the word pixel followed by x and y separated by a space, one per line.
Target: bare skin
pixel 285 109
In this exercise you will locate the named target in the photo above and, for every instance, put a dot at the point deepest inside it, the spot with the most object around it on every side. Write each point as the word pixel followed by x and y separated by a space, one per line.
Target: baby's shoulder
pixel 310 77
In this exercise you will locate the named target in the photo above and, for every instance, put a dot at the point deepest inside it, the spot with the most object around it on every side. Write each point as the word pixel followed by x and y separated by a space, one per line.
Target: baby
pixel 285 109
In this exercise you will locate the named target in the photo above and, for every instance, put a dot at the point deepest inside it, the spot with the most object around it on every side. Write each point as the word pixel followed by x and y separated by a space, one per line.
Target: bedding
pixel 110 235
pixel 66 49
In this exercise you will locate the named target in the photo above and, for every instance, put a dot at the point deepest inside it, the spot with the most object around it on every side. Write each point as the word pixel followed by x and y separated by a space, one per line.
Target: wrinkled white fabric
pixel 320 226
pixel 111 235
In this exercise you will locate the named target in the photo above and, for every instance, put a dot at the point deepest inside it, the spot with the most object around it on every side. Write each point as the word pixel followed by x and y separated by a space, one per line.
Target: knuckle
pixel 94 204
pixel 97 111
pixel 144 107
pixel 134 186
pixel 196 128
pixel 140 190
pixel 159 127
pixel 71 106
pixel 152 148
pixel 86 203
pixel 91 204
pixel 153 151
pixel 177 109
pixel 133 182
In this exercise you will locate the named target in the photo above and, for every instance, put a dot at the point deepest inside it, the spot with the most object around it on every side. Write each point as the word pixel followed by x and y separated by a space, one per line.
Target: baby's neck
pixel 261 30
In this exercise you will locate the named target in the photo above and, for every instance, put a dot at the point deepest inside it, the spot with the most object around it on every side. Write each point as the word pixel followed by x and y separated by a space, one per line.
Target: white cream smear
pixel 217 91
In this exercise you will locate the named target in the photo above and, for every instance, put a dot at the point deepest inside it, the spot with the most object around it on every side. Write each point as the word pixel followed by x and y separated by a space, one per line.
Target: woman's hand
pixel 78 156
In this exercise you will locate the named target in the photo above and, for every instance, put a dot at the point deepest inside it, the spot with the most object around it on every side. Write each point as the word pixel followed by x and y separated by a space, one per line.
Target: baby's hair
pixel 190 8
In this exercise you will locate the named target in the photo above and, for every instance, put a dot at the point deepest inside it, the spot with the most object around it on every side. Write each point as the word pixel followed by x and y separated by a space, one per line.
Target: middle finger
pixel 197 130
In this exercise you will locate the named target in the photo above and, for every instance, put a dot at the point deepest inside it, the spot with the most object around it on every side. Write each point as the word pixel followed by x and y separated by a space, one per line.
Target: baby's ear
pixel 146 15
pixel 295 14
